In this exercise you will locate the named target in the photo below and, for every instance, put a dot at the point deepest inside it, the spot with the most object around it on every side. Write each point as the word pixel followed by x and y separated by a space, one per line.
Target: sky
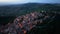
pixel 5 2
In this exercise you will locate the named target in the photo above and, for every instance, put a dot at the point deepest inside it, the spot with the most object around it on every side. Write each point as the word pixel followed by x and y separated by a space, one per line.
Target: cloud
pixel 2 2
pixel 12 1
pixel 8 0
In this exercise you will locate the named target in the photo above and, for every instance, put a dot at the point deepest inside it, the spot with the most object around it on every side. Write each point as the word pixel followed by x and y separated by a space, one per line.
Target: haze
pixel 7 2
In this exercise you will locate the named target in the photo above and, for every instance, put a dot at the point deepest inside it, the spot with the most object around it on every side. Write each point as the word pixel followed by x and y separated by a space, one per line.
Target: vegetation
pixel 9 13
pixel 17 10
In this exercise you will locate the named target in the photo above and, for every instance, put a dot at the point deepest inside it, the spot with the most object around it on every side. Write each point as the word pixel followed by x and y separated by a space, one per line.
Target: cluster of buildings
pixel 24 23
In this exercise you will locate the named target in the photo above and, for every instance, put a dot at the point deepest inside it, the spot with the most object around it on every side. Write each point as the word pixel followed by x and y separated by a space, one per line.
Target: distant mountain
pixel 20 9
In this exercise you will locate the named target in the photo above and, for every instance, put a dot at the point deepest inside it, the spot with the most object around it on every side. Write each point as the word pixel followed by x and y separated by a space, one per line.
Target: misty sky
pixel 3 2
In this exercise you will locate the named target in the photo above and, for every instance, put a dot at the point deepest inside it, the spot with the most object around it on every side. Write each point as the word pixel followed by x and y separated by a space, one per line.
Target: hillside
pixel 33 23
pixel 49 25
pixel 16 10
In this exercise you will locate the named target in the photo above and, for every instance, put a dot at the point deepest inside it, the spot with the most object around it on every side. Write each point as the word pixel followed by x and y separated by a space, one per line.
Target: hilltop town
pixel 25 23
